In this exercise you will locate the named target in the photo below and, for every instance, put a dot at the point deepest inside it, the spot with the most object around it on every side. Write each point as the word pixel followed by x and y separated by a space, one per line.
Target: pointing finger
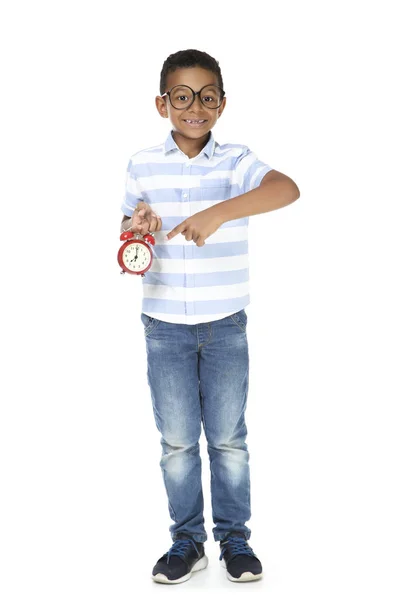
pixel 178 229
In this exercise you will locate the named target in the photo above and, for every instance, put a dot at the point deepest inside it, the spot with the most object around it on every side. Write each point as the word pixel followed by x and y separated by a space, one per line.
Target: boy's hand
pixel 144 219
pixel 198 227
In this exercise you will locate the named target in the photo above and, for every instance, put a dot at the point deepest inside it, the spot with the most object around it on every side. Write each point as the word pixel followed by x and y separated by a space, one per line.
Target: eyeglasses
pixel 182 96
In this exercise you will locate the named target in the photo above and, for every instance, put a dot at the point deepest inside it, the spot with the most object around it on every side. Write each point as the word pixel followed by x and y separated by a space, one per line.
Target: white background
pixel 311 88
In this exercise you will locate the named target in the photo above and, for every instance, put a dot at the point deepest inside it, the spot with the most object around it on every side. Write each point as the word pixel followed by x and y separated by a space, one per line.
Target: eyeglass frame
pixel 194 96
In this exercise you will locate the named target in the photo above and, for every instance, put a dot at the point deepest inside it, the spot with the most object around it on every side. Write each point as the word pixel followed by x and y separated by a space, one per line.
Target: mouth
pixel 196 123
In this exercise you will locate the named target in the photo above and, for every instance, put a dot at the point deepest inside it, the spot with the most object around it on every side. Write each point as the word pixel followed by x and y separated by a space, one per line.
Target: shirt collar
pixel 208 149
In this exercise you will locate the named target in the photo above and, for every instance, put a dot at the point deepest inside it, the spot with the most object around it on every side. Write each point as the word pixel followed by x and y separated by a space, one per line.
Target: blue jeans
pixel 200 374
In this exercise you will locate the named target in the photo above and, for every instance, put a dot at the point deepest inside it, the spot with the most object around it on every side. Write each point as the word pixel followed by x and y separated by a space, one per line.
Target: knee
pixel 178 446
pixel 229 438
pixel 228 443
pixel 180 438
pixel 178 457
pixel 229 447
pixel 229 459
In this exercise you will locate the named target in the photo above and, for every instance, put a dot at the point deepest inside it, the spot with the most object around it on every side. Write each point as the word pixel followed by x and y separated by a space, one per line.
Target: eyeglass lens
pixel 181 96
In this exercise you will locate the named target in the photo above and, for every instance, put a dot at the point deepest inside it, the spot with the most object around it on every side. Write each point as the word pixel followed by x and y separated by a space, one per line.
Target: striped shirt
pixel 187 283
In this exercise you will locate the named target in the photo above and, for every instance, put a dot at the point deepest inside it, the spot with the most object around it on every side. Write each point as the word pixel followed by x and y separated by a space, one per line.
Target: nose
pixel 197 98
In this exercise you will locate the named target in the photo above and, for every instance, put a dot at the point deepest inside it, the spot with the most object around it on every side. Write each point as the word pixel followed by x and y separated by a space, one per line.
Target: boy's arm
pixel 275 191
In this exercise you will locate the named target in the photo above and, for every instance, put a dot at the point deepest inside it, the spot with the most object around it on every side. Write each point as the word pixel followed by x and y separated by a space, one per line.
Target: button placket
pixel 187 253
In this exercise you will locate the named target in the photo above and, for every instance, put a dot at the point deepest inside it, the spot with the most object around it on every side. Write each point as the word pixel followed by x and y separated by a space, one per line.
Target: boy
pixel 194 320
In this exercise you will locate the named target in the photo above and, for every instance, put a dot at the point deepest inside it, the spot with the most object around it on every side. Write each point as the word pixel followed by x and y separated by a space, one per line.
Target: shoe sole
pixel 198 566
pixel 246 576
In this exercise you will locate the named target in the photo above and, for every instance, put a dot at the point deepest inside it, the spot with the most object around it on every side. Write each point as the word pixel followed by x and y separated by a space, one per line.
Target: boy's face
pixel 196 78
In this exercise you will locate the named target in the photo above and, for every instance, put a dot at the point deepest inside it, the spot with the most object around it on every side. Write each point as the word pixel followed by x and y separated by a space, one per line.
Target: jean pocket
pixel 240 319
pixel 150 323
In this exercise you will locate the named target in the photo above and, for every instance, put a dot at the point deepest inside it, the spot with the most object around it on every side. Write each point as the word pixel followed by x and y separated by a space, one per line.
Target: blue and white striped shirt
pixel 187 283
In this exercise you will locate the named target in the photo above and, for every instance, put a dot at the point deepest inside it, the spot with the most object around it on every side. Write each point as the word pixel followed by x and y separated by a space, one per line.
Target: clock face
pixel 136 256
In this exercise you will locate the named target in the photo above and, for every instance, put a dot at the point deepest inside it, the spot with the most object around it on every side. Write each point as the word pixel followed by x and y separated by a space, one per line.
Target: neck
pixel 191 147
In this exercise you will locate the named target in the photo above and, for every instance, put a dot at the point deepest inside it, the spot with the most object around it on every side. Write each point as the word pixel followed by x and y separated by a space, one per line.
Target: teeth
pixel 201 121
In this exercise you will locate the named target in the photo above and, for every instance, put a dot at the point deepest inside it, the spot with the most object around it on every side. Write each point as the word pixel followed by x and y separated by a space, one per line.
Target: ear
pixel 222 107
pixel 162 107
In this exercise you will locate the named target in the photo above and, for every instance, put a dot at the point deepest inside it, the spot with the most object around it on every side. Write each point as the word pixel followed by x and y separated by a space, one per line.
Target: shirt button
pixel 185 195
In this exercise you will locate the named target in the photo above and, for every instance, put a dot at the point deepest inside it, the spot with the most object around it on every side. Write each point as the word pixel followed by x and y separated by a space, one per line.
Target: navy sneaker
pixel 239 559
pixel 183 558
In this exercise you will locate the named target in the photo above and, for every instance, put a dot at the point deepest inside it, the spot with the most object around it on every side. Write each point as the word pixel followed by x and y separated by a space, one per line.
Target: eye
pixel 180 97
pixel 209 97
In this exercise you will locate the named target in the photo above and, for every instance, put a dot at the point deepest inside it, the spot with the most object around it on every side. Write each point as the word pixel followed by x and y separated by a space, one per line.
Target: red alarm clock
pixel 135 256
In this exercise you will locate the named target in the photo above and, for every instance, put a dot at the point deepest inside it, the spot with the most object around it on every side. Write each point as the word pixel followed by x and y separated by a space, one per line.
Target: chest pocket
pixel 215 189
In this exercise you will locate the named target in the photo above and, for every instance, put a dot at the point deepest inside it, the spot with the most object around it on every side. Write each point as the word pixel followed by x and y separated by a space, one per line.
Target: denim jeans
pixel 200 374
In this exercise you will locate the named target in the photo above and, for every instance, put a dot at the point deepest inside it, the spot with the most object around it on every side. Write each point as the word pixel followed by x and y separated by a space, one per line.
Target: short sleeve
pixel 250 171
pixel 132 192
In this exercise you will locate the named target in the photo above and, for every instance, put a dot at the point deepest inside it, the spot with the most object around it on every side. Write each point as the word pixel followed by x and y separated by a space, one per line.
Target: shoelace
pixel 237 545
pixel 179 547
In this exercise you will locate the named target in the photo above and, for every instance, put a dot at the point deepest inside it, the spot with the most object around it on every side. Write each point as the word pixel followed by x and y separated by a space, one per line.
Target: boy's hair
pixel 186 59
